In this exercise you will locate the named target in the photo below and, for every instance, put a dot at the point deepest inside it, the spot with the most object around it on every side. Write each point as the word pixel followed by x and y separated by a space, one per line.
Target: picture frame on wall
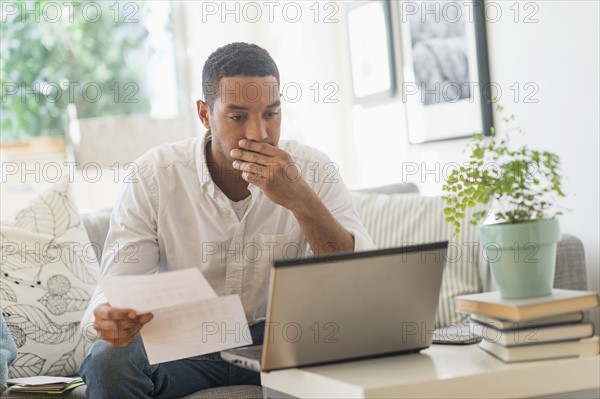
pixel 446 84
pixel 371 50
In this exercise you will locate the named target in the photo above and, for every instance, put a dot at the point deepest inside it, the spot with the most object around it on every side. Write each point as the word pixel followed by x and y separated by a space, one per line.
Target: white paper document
pixel 41 380
pixel 148 293
pixel 189 318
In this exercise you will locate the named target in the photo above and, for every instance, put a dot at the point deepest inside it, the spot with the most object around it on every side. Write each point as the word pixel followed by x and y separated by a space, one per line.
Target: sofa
pixel 394 215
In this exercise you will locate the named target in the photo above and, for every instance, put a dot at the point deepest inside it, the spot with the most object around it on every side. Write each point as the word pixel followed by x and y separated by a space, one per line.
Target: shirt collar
pixel 206 181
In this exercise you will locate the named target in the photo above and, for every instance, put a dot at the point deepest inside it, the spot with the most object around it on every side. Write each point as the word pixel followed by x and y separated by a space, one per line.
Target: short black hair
pixel 235 59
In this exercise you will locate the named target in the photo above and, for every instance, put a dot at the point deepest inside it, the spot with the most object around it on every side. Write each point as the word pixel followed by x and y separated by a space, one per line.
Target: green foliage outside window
pixel 90 53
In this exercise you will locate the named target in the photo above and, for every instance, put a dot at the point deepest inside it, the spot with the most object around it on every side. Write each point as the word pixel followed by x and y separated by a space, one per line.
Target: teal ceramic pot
pixel 522 256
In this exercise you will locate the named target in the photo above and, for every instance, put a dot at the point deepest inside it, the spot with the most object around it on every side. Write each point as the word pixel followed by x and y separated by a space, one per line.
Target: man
pixel 228 204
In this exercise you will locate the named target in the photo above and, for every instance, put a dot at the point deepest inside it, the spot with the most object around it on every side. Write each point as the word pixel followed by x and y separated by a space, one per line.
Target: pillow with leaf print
pixel 48 270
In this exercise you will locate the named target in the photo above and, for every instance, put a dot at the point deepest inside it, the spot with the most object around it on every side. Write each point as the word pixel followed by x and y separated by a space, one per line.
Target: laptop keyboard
pixel 253 352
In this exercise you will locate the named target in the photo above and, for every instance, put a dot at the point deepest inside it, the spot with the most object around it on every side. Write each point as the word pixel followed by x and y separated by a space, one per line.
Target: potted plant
pixel 521 185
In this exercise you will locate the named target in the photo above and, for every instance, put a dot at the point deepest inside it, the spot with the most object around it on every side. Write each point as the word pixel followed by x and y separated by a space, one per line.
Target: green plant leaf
pixel 526 181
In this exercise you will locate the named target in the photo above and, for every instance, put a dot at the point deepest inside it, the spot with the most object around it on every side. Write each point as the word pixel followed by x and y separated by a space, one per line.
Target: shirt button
pixel 232 292
pixel 227 213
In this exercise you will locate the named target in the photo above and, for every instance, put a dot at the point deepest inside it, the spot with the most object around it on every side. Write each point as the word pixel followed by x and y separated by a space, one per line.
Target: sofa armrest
pixel 231 392
pixel 397 188
pixel 570 264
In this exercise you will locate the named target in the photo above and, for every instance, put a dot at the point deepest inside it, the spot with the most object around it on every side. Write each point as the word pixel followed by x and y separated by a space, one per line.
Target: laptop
pixel 348 306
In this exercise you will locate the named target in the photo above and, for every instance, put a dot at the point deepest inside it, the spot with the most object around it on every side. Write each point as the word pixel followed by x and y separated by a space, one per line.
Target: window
pixel 107 58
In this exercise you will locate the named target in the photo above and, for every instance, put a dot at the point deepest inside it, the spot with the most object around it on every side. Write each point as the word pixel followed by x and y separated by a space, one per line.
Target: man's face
pixel 247 107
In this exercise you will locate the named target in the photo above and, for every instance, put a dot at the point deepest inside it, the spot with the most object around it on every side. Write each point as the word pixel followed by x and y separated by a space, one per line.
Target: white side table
pixel 447 371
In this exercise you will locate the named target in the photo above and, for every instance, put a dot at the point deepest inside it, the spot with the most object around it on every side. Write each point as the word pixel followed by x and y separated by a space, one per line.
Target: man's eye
pixel 236 118
pixel 271 115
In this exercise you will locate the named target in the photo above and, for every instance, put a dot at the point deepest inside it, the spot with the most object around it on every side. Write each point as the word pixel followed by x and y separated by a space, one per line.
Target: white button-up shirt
pixel 172 216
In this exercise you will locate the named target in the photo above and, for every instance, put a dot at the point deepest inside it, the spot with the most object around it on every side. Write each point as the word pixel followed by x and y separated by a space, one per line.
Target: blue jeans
pixel 125 373
pixel 8 352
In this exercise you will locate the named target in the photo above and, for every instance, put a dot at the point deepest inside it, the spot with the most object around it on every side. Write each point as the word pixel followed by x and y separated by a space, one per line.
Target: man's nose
pixel 256 130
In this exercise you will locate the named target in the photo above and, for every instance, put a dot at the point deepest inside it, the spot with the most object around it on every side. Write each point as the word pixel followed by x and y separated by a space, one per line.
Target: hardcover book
pixel 501 324
pixel 533 335
pixel 552 350
pixel 559 302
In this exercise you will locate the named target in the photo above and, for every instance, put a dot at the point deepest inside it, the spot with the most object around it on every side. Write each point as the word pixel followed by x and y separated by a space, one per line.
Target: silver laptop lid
pixel 352 305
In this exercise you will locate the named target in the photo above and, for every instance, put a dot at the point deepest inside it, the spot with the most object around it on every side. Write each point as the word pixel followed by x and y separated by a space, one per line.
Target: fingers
pixel 253 166
pixel 117 333
pixel 259 161
pixel 256 152
pixel 250 171
pixel 118 326
pixel 105 311
pixel 145 318
pixel 259 147
pixel 251 157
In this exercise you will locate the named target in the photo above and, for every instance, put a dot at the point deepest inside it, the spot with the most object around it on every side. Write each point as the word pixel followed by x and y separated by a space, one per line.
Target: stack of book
pixel 535 328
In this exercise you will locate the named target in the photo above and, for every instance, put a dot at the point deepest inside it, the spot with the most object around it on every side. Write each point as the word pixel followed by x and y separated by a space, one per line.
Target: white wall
pixel 561 55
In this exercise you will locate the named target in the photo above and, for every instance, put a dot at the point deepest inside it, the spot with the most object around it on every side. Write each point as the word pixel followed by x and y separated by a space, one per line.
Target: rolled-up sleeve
pixel 335 195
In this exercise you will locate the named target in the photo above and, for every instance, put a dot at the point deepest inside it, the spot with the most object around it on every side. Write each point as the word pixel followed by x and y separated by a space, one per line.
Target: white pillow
pixel 49 272
pixel 395 220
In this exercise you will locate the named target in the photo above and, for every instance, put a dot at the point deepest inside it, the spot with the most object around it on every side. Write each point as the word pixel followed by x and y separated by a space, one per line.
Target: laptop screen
pixel 354 305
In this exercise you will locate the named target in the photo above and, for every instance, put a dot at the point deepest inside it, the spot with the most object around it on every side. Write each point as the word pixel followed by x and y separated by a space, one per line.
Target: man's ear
pixel 203 113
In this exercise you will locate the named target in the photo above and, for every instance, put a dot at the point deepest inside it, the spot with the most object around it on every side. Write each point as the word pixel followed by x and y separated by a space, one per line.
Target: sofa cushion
pixel 49 272
pixel 96 224
pixel 397 188
pixel 232 392
pixel 395 220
